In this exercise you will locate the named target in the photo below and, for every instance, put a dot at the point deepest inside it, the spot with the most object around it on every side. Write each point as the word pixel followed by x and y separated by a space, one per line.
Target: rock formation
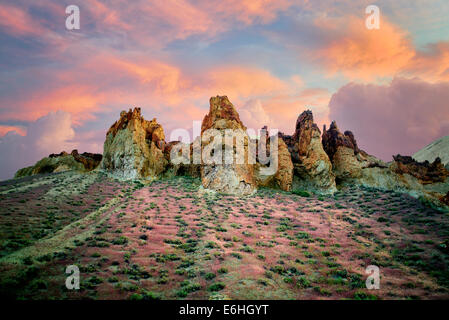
pixel 425 172
pixel 312 167
pixel 348 160
pixel 333 139
pixel 89 160
pixel 62 162
pixel 229 162
pixel 283 178
pixel 226 175
pixel 134 147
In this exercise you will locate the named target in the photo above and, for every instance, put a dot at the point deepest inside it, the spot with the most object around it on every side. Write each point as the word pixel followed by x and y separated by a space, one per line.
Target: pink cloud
pixel 401 117
pixel 17 21
pixel 44 136
pixel 5 129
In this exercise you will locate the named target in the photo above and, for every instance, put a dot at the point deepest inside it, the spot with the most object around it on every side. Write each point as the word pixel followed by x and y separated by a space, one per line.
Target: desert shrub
pixel 120 240
pixel 143 237
pixel 94 280
pixel 246 248
pixel 27 261
pixel 217 286
pixel 222 270
pixel 325 253
pixel 302 235
pixel 302 282
pixel 209 276
pixel 288 280
pixel 148 295
pixel 360 295
pixel 136 296
pixel 301 193
pixel 211 245
pixel 236 255
pixel 322 291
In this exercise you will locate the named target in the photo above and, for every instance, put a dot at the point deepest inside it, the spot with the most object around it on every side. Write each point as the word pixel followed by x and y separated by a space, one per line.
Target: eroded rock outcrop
pixel 312 167
pixel 348 160
pixel 134 147
pixel 281 161
pixel 62 162
pixel 425 172
pixel 333 139
pixel 89 160
pixel 226 175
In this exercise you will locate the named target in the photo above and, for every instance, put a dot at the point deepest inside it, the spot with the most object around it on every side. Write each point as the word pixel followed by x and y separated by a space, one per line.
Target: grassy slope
pixel 168 241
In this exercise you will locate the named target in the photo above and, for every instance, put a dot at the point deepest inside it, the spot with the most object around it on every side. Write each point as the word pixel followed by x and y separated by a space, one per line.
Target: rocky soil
pixel 166 240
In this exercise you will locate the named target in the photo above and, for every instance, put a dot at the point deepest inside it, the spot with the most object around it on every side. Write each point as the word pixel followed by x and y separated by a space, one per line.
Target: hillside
pixel 166 240
pixel 438 148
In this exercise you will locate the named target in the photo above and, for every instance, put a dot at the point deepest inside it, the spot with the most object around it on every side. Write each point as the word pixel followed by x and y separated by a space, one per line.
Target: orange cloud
pixel 109 81
pixel 78 100
pixel 359 53
pixel 432 64
pixel 238 81
pixel 169 84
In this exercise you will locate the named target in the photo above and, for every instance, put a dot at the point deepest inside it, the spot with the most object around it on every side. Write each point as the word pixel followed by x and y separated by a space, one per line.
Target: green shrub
pixel 301 193
pixel 217 286
pixel 302 282
pixel 209 276
pixel 120 240
pixel 222 270
pixel 360 295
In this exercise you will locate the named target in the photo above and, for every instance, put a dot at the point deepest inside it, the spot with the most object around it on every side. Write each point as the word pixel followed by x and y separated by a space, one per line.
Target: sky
pixel 62 89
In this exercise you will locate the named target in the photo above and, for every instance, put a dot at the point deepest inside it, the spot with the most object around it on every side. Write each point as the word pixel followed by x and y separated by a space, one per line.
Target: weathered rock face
pixel 62 162
pixel 227 175
pixel 333 139
pixel 89 160
pixel 348 161
pixel 425 172
pixel 134 147
pixel 283 178
pixel 312 167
